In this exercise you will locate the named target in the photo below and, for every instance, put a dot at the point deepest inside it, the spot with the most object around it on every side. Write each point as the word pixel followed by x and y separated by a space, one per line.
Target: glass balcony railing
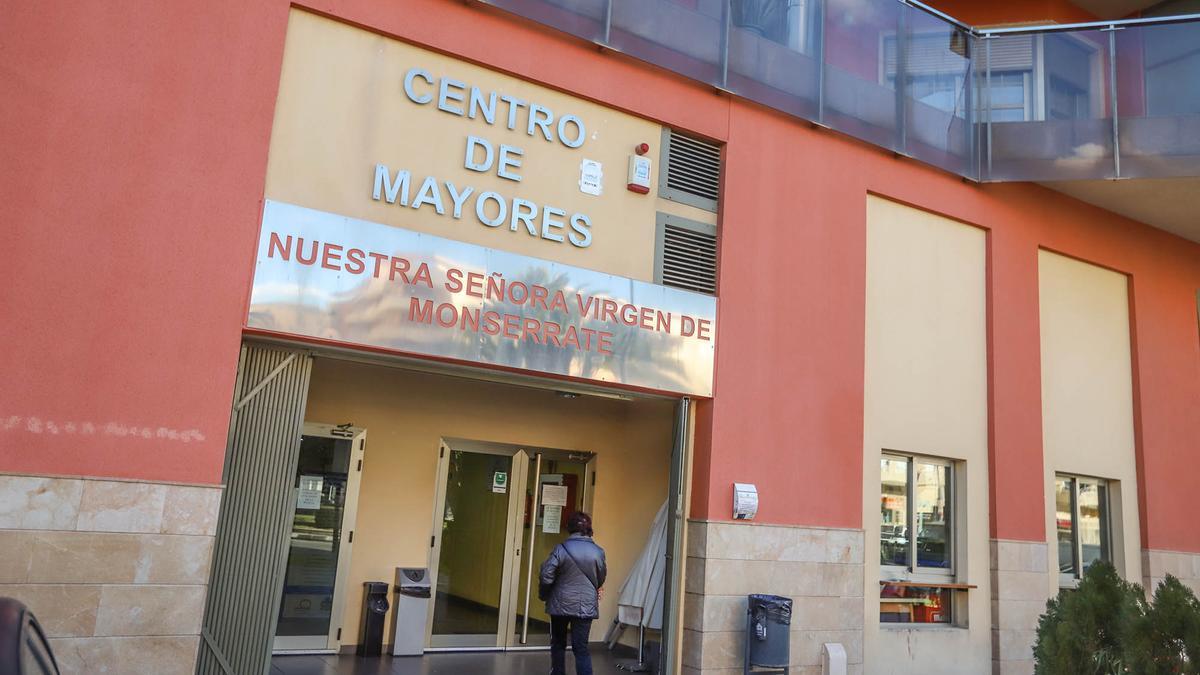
pixel 1066 102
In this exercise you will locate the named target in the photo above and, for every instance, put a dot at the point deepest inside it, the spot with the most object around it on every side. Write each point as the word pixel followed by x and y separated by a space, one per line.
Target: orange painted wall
pixel 134 144
pixel 165 138
pixel 975 13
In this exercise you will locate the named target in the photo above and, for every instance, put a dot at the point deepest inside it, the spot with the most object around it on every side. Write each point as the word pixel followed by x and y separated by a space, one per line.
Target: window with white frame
pixel 1083 523
pixel 916 540
pixel 1051 76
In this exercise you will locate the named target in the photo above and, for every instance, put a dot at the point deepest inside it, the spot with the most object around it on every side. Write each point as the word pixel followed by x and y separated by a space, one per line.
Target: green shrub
pixel 1165 640
pixel 1106 626
pixel 1083 631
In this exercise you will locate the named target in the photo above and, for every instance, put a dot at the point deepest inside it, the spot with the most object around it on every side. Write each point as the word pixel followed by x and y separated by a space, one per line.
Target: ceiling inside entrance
pixel 1113 9
pixel 1169 204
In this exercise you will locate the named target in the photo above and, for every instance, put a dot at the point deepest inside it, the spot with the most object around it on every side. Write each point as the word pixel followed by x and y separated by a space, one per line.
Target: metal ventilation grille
pixel 687 255
pixel 691 170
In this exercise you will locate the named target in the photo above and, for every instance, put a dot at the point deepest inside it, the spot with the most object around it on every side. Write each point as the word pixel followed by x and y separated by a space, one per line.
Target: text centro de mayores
pixel 490 208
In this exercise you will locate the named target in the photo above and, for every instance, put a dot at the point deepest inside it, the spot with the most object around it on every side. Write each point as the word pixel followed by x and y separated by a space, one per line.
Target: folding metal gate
pixel 248 557
pixel 676 521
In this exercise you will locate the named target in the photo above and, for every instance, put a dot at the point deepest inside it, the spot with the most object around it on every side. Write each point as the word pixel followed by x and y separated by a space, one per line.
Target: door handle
pixel 537 493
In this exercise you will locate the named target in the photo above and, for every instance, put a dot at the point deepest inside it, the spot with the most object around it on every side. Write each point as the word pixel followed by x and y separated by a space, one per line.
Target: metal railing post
pixel 1112 98
pixel 608 22
pixel 822 8
pixel 987 81
pixel 902 80
pixel 969 101
pixel 726 19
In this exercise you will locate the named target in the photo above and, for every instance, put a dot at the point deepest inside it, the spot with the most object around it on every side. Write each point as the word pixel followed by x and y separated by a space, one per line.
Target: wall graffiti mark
pixel 38 425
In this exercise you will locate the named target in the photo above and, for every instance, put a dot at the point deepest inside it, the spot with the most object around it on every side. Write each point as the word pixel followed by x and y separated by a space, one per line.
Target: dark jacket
pixel 565 583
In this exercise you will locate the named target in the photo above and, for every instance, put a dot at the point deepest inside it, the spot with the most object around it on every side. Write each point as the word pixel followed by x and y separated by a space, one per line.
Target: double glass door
pixel 501 510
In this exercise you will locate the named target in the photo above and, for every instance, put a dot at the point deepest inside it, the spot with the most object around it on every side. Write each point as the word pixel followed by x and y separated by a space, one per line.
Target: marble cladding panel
pixel 1157 564
pixel 34 503
pixel 150 610
pixel 86 505
pixel 115 571
pixel 1020 589
pixel 820 569
pixel 161 655
pixel 63 610
pixel 33 557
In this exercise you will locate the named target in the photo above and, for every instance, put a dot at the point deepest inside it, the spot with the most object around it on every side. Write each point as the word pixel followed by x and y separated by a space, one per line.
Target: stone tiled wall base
pixel 115 571
pixel 820 569
pixel 1156 565
pixel 1019 593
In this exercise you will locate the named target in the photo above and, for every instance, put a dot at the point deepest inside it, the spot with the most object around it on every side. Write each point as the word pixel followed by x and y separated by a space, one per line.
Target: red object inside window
pixel 914 604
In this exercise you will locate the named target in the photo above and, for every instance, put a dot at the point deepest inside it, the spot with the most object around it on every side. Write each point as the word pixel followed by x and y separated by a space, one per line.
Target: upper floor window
pixel 1082 518
pixel 1010 96
pixel 1055 76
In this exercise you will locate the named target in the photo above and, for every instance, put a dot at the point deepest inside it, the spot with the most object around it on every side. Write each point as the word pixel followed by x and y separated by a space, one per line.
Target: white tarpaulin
pixel 641 600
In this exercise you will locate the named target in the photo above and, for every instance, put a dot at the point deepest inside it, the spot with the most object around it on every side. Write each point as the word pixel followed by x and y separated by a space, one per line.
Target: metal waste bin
pixel 768 624
pixel 413 591
pixel 374 614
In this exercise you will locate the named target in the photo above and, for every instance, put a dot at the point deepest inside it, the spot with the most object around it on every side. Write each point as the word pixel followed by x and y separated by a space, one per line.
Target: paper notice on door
pixel 552 519
pixel 309 495
pixel 500 482
pixel 554 495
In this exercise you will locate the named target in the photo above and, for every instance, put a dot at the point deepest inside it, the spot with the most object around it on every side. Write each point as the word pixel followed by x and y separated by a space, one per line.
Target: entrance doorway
pixel 500 510
pixel 264 561
pixel 324 502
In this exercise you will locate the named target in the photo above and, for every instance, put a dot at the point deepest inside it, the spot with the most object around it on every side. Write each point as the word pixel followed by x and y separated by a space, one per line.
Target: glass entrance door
pixel 558 485
pixel 473 544
pixel 501 510
pixel 325 494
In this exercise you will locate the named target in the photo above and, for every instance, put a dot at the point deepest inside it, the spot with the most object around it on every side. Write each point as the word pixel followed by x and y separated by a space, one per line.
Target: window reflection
pixel 893 504
pixel 1082 523
pixel 320 483
pixel 1064 518
pixel 1093 530
pixel 930 513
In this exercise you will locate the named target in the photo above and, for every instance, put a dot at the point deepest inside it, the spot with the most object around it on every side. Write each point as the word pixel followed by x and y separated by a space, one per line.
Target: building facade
pixel 929 285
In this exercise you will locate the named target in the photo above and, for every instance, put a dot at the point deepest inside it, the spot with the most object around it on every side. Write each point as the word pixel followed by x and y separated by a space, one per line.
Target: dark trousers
pixel 579 629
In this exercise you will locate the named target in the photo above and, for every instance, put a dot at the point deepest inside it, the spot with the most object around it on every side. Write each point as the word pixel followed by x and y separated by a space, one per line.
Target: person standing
pixel 570 583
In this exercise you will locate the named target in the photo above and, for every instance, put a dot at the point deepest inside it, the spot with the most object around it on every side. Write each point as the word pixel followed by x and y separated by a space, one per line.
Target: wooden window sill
pixel 928 584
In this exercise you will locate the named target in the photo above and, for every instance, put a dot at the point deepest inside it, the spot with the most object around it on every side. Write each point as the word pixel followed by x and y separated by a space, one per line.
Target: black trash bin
pixel 768 624
pixel 375 607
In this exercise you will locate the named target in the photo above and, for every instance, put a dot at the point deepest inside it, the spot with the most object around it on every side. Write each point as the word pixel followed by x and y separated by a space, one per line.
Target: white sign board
pixel 591 177
pixel 745 501
pixel 309 495
pixel 554 495
pixel 552 519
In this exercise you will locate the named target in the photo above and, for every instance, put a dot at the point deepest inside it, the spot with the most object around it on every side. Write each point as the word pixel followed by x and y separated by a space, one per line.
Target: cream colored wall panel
pixel 343 108
pixel 1087 392
pixel 926 342
pixel 926 394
